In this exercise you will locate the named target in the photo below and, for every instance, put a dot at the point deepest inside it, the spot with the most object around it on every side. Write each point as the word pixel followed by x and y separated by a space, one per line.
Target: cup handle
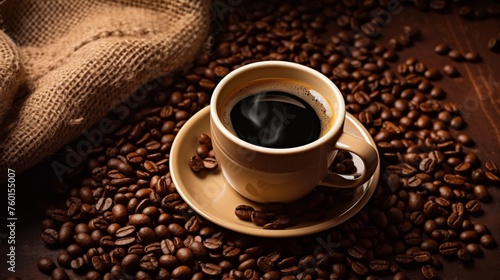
pixel 367 154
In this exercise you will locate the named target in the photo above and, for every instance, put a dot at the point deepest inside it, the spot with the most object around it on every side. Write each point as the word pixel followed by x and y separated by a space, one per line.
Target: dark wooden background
pixel 476 92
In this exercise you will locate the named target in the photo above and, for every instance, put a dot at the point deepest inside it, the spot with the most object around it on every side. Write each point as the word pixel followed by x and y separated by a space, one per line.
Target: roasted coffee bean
pixel 146 235
pixel 185 255
pixel 196 164
pixel 125 231
pixel 78 265
pixel 472 56
pixel 211 269
pixel 404 259
pixel 139 220
pixel 210 163
pixel 359 268
pixel 46 265
pixel 450 70
pixel 64 259
pixel 422 256
pixel 464 255
pixel 449 248
pixel 442 49
pixel 244 212
pixel 125 241
pixel 473 206
pixel 83 240
pixel 429 272
pixel 149 262
pixel 492 178
pixel 429 245
pixel 212 244
pixel 59 274
pixel 379 265
pixel 455 55
pixel 474 249
pixel 259 217
pixel 50 237
pixel 431 73
pixel 167 246
pixel 487 241
pixel 357 252
pixel 59 215
pixel 130 263
pixel 482 193
pixel 494 44
pixel 413 238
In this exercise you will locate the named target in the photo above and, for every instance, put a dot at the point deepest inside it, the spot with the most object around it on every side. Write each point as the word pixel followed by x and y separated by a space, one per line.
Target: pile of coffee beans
pixel 204 159
pixel 124 219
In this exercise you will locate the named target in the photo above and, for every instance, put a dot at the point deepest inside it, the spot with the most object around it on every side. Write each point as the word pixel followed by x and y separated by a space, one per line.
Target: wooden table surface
pixel 476 92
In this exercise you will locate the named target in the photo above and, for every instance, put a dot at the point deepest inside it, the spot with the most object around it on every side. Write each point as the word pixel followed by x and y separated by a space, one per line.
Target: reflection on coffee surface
pixel 277 113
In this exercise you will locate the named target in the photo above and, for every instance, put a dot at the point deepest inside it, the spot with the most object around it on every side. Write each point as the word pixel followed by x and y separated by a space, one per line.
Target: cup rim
pixel 332 132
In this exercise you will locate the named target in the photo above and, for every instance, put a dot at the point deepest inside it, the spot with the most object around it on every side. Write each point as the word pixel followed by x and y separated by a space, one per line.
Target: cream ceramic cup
pixel 270 175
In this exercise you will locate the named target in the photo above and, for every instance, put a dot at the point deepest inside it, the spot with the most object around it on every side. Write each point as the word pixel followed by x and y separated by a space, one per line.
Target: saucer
pixel 211 196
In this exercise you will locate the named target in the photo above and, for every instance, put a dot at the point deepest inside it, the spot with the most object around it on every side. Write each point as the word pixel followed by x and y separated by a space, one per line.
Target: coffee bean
pixel 139 220
pixel 64 259
pixel 125 241
pixel 422 256
pixel 450 70
pixel 59 274
pixel 79 265
pixel 50 237
pixel 492 178
pixel 244 212
pixel 482 193
pixel 404 259
pixel 455 55
pixel 83 240
pixel 130 263
pixel 449 248
pixel 66 233
pixel 196 164
pixel 494 44
pixel 472 57
pixel 432 73
pixel 210 163
pixel 93 275
pixel 442 49
pixel 464 255
pixel 46 265
pixel 429 245
pixel 413 238
pixel 473 206
pixel 487 241
pixel 379 265
pixel 259 217
pixel 429 272
pixel 212 244
pixel 359 268
pixel 357 252
pixel 474 249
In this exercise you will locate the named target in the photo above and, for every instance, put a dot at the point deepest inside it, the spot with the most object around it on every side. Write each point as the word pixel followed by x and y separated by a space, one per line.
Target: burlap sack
pixel 65 64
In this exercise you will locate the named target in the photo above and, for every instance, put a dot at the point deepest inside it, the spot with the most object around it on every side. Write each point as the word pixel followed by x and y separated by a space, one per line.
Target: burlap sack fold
pixel 65 64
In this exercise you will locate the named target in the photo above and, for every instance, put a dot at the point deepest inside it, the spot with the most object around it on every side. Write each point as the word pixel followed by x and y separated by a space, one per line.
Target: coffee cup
pixel 276 128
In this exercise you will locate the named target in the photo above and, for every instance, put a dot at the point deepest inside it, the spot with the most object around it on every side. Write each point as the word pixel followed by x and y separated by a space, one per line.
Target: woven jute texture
pixel 65 64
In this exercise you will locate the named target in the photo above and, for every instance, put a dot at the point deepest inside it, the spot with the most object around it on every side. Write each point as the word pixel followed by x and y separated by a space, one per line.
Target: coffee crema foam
pixel 320 105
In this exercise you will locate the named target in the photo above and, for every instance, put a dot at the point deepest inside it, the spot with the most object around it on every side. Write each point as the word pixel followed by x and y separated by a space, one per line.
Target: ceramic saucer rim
pixel 251 229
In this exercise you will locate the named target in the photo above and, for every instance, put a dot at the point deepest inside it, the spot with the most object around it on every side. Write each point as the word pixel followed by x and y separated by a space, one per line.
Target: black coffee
pixel 275 114
pixel 275 119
